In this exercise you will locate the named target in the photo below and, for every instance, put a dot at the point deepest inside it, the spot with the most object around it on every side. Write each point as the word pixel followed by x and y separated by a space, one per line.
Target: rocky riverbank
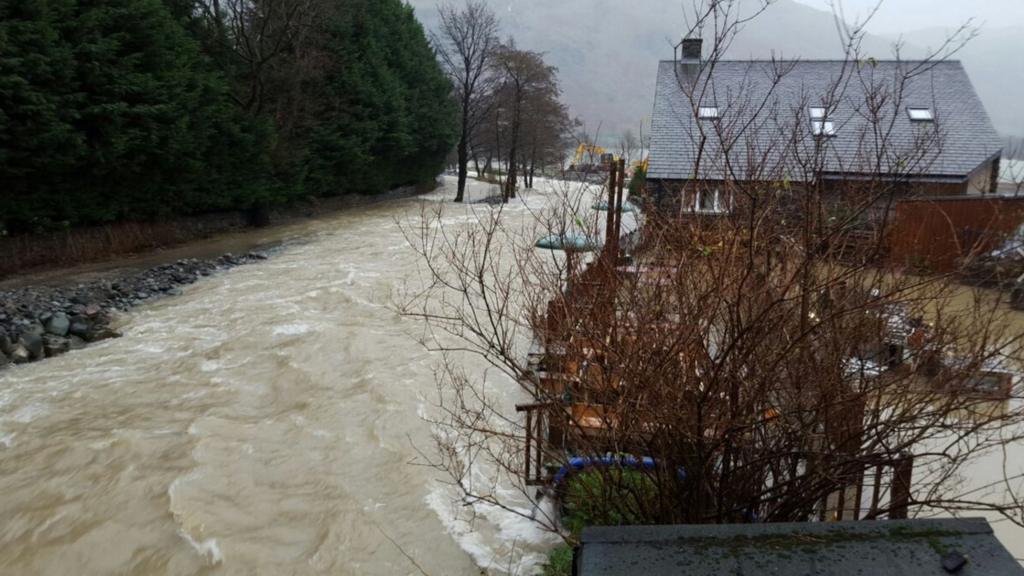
pixel 42 322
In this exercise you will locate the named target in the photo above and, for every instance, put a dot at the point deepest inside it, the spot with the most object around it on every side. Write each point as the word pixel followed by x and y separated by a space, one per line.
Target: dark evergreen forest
pixel 114 110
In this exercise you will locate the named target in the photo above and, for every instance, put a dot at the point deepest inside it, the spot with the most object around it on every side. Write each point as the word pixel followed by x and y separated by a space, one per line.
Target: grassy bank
pixel 37 252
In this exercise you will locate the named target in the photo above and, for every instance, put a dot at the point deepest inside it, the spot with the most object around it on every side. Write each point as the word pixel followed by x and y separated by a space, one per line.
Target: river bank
pixel 39 322
pixel 55 307
pixel 55 251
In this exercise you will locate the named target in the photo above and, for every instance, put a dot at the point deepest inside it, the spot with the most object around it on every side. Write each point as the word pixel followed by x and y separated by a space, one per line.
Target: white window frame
pixel 817 112
pixel 708 113
pixel 718 206
pixel 824 128
pixel 923 114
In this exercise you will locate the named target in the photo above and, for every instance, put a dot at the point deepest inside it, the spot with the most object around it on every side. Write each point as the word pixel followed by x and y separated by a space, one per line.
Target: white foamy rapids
pixel 513 538
pixel 499 540
pixel 503 540
pixel 28 413
pixel 296 329
pixel 207 548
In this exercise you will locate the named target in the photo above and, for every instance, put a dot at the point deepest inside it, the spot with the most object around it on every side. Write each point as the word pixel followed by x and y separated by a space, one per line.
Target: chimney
pixel 692 50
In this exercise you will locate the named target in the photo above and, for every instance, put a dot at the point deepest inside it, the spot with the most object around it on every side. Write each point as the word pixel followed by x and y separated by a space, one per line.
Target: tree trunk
pixel 460 195
pixel 510 179
pixel 528 169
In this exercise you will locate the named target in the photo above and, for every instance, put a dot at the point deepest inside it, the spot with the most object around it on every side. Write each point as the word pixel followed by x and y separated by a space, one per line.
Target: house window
pixel 708 112
pixel 921 114
pixel 711 202
pixel 823 128
pixel 817 112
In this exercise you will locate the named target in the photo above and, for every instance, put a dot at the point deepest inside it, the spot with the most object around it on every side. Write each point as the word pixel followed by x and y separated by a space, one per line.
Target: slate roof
pixel 875 548
pixel 766 125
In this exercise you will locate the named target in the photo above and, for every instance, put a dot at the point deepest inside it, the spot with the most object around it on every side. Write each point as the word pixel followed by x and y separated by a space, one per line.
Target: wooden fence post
pixel 902 475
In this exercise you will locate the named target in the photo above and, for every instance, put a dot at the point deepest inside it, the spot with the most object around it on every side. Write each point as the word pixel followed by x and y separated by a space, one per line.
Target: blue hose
pixel 580 463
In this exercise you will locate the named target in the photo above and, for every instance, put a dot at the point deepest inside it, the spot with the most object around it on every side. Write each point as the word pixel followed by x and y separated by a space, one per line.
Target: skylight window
pixel 823 128
pixel 708 112
pixel 921 114
pixel 817 112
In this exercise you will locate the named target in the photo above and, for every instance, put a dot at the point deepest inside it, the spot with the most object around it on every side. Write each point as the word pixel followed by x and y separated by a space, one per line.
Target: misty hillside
pixel 608 55
pixel 994 61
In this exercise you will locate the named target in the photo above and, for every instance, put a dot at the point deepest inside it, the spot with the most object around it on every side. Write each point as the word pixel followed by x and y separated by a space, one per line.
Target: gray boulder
pixel 20 354
pixel 55 345
pixel 33 344
pixel 35 328
pixel 76 342
pixel 58 324
pixel 5 342
pixel 3 359
pixel 99 332
pixel 79 326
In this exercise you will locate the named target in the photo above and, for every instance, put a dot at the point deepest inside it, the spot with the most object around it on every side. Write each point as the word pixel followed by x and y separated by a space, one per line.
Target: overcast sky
pixel 908 15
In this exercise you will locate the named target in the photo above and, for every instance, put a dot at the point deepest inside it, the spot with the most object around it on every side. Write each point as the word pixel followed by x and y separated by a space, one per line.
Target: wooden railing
pixel 884 492
pixel 535 444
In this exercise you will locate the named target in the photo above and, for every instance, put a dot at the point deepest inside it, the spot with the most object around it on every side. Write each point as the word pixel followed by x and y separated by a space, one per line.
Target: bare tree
pixel 276 52
pixel 746 355
pixel 524 80
pixel 545 132
pixel 466 44
pixel 629 146
pixel 256 34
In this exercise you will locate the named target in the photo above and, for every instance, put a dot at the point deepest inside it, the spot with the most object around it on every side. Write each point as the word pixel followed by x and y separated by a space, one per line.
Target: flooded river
pixel 265 422
pixel 262 423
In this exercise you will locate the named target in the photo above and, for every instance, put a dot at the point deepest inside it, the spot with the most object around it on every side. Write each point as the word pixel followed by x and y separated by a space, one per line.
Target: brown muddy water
pixel 265 422
pixel 268 421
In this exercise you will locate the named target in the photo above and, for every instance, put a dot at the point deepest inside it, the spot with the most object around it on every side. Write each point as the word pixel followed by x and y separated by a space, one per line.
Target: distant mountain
pixel 607 51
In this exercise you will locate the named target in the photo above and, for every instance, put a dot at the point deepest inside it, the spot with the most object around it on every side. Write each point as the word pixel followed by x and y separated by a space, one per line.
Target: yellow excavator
pixel 586 154
pixel 592 158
